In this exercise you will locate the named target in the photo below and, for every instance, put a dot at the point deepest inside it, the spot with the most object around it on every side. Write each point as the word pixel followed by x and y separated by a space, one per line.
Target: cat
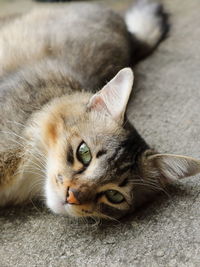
pixel 64 133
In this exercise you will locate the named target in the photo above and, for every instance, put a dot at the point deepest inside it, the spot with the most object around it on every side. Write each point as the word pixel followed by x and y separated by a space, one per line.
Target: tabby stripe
pixel 70 155
pixel 101 153
pixel 124 169
pixel 115 154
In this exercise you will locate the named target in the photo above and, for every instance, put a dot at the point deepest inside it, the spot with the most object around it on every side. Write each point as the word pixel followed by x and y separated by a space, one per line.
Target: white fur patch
pixel 144 23
pixel 52 199
pixel 55 197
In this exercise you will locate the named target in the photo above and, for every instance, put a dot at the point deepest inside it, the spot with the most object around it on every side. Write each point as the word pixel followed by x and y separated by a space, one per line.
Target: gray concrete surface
pixel 165 108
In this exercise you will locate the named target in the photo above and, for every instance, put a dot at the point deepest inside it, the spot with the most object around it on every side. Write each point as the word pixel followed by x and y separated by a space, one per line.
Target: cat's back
pixel 69 32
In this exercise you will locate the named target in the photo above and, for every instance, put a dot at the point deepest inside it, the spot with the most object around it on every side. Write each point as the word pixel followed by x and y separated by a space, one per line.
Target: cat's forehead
pixel 96 129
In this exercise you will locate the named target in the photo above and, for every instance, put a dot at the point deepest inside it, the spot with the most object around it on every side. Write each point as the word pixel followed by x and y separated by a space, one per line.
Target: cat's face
pixel 89 168
pixel 97 164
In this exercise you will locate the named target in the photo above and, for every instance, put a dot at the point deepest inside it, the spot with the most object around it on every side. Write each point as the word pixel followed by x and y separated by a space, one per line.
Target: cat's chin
pixel 55 205
pixel 62 209
pixel 59 207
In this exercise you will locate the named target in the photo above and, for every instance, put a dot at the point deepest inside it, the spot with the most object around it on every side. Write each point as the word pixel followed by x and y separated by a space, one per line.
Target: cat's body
pixel 76 35
pixel 48 54
pixel 47 58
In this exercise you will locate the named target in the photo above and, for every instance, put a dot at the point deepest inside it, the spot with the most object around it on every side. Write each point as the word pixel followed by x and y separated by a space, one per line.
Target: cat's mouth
pixel 59 205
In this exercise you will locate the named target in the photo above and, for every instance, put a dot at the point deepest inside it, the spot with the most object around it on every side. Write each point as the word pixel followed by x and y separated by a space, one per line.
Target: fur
pixel 53 61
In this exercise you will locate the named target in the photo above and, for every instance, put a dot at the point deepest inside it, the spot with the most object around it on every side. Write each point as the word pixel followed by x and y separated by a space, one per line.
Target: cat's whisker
pixel 147 184
pixel 143 183
pixel 32 202
pixel 37 165
pixel 23 146
pixel 162 189
pixel 24 139
pixel 31 163
pixel 17 123
pixel 30 172
pixel 152 184
pixel 96 221
pixel 155 183
pixel 37 185
pixel 33 167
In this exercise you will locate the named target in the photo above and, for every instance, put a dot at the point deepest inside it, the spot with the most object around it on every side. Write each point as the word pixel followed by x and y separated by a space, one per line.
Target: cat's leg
pixel 148 23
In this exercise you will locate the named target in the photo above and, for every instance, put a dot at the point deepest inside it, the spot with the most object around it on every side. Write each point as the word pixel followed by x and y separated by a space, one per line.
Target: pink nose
pixel 71 198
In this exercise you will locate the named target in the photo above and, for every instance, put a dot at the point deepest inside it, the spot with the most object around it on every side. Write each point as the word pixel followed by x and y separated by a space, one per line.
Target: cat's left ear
pixel 114 96
pixel 172 167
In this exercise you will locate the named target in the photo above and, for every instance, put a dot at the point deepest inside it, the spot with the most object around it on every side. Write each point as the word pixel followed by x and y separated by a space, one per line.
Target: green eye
pixel 84 154
pixel 114 196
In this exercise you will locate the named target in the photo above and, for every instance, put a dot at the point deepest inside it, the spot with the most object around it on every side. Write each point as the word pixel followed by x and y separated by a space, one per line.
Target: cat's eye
pixel 114 196
pixel 84 154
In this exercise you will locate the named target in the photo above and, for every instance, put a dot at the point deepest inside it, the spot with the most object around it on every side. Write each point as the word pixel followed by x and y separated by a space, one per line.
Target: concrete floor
pixel 165 109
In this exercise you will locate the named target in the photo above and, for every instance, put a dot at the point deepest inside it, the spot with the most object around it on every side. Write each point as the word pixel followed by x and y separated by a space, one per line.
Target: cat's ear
pixel 173 167
pixel 114 96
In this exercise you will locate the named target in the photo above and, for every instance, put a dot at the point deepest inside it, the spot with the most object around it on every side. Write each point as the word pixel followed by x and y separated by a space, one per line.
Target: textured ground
pixel 166 110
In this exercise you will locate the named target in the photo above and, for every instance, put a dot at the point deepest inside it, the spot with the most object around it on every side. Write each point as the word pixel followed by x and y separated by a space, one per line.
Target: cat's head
pixel 97 163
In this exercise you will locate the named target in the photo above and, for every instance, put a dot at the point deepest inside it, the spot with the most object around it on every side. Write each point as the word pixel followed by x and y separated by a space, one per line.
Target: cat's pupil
pixel 114 196
pixel 84 154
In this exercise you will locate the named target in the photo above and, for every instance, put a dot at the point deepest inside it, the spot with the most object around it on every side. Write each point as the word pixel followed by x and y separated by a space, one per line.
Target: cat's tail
pixel 149 25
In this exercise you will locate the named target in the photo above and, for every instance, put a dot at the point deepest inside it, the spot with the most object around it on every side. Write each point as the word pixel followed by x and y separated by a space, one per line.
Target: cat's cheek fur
pixel 55 197
pixel 52 200
pixel 55 190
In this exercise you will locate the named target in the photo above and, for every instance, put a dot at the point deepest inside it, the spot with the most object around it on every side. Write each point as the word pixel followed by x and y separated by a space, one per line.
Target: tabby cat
pixel 62 138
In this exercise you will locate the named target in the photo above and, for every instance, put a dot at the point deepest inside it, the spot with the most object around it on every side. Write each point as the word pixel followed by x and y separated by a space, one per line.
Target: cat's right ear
pixel 114 96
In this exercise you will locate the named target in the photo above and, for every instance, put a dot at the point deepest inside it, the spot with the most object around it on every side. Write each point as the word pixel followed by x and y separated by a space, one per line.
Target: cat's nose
pixel 72 196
